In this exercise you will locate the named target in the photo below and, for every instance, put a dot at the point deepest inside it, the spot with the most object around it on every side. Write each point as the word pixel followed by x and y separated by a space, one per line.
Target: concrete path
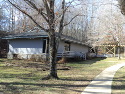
pixel 102 83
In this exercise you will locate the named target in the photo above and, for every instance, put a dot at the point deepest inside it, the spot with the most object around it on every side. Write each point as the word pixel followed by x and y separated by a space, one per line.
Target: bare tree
pixel 77 28
pixel 53 17
pixel 106 21
pixel 107 25
pixel 2 18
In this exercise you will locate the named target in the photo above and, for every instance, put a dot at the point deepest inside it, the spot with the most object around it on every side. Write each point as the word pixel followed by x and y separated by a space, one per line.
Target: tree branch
pixel 64 9
pixel 47 7
pixel 69 5
pixel 72 19
pixel 31 4
pixel 24 12
pixel 62 19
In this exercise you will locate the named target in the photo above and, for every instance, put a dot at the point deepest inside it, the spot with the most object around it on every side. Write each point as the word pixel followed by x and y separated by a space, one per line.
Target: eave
pixel 26 37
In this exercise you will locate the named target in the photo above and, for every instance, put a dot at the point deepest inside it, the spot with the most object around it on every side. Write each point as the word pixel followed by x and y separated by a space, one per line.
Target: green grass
pixel 21 79
pixel 118 85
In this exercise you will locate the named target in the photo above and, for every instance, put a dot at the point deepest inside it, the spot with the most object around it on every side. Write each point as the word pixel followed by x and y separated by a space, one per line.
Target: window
pixel 67 46
pixel 45 45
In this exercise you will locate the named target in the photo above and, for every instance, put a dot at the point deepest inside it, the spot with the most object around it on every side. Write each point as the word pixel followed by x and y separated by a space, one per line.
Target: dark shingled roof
pixel 26 35
pixel 41 34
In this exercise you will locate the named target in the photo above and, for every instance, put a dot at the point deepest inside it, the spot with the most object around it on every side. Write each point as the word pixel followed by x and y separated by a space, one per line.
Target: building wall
pixel 61 47
pixel 73 47
pixel 33 48
pixel 25 46
pixel 78 48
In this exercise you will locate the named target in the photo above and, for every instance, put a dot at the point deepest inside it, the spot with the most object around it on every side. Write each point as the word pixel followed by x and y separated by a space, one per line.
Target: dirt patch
pixel 38 65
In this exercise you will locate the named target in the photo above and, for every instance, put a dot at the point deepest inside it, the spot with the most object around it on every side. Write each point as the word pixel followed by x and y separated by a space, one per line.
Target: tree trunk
pixel 52 57
pixel 119 57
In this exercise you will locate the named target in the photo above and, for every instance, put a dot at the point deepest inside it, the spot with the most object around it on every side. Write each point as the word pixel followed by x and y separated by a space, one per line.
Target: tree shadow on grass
pixel 41 84
pixel 91 61
pixel 118 87
pixel 2 61
pixel 13 86
pixel 119 80
pixel 14 89
pixel 74 79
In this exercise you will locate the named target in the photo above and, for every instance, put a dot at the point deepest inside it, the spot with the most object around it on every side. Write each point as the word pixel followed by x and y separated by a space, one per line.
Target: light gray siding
pixel 33 48
pixel 26 46
pixel 61 47
pixel 78 48
pixel 73 47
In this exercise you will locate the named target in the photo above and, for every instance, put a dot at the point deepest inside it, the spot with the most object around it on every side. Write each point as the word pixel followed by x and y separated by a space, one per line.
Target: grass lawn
pixel 118 85
pixel 24 77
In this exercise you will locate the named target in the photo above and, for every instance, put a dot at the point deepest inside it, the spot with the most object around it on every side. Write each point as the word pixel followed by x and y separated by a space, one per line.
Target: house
pixel 34 44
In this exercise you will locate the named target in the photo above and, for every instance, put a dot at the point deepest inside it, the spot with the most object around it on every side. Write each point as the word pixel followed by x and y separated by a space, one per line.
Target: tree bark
pixel 53 56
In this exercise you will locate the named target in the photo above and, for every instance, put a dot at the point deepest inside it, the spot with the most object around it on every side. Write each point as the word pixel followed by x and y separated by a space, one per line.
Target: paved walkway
pixel 102 83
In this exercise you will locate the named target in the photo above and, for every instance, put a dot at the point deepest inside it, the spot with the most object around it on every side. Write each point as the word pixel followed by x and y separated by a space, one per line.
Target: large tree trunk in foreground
pixel 52 41
pixel 52 57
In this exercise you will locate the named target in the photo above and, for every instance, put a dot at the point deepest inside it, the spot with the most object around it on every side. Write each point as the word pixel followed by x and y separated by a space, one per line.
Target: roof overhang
pixel 26 37
pixel 32 35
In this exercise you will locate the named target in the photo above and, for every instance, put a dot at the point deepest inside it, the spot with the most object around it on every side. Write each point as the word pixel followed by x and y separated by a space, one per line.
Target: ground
pixel 118 85
pixel 24 77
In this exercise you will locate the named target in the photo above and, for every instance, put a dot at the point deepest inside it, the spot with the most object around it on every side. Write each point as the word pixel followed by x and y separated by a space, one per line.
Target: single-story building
pixel 33 44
